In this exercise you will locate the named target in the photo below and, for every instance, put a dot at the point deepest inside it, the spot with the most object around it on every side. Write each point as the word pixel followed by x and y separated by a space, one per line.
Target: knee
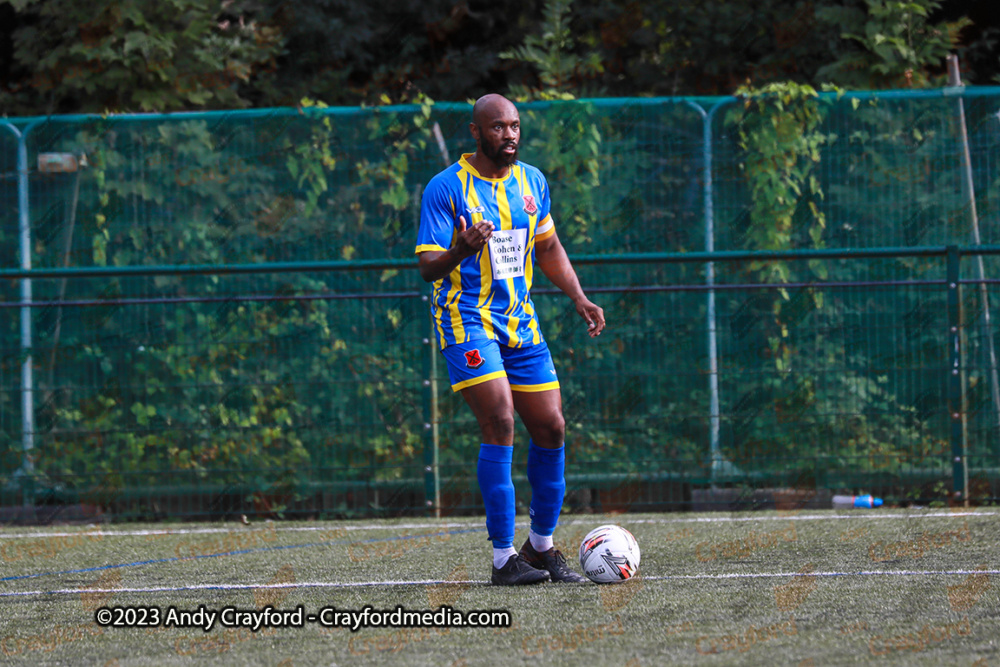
pixel 552 433
pixel 498 428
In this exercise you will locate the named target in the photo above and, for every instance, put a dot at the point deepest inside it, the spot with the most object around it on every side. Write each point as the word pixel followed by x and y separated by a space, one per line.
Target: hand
pixel 594 316
pixel 471 241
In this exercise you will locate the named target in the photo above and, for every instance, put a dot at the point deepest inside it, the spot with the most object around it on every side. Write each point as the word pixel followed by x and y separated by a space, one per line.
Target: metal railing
pixel 953 330
pixel 686 164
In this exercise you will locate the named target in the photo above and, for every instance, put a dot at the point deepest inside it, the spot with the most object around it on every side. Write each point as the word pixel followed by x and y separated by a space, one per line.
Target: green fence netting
pixel 224 316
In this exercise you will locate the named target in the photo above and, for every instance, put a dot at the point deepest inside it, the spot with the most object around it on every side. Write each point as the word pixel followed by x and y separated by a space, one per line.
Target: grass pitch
pixel 899 587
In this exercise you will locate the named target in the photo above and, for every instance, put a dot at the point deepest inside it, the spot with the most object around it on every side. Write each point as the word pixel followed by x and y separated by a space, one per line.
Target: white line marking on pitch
pixel 254 528
pixel 812 517
pixel 861 573
pixel 571 520
pixel 432 582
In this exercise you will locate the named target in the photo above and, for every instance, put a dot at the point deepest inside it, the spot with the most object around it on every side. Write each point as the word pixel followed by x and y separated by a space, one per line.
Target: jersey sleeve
pixel 546 227
pixel 437 217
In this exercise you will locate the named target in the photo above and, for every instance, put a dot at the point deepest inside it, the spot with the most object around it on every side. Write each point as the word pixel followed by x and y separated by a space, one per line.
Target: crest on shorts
pixel 472 359
pixel 529 204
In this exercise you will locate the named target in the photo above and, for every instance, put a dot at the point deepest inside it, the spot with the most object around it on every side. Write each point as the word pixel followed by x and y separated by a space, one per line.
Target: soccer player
pixel 484 222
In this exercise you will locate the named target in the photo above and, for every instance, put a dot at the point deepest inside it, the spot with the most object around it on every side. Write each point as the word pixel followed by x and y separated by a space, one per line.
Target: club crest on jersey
pixel 472 359
pixel 529 204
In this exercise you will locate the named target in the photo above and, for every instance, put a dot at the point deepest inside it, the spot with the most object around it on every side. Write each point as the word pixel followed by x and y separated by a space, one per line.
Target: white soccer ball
pixel 609 555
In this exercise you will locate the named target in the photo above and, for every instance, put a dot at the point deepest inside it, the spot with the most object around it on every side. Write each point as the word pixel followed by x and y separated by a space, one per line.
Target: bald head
pixel 489 107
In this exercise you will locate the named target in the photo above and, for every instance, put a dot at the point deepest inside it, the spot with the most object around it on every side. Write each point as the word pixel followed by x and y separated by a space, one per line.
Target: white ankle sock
pixel 540 542
pixel 501 555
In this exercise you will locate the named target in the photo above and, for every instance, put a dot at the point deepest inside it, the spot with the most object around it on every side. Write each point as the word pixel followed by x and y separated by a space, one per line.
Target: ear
pixel 474 130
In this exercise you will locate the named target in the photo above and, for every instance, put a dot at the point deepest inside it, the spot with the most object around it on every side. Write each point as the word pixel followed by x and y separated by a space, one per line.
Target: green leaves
pixel 187 54
pixel 778 130
pixel 143 413
pixel 551 54
pixel 404 137
pixel 568 144
pixel 136 56
pixel 310 159
pixel 891 44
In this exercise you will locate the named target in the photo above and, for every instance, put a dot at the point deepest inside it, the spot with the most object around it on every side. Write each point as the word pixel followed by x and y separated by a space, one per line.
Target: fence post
pixel 26 472
pixel 717 463
pixel 432 480
pixel 969 192
pixel 714 422
pixel 956 389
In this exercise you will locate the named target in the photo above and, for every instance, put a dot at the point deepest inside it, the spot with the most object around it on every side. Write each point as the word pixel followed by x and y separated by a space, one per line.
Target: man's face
pixel 500 135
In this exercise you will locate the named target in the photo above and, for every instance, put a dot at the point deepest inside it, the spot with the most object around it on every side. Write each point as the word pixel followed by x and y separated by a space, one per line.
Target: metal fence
pixel 214 314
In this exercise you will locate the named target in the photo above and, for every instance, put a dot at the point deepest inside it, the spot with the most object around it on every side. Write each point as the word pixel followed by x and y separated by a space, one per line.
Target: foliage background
pixel 269 397
pixel 58 56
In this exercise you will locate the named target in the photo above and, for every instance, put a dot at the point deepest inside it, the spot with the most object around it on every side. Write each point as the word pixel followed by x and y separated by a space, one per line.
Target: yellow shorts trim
pixel 471 382
pixel 534 387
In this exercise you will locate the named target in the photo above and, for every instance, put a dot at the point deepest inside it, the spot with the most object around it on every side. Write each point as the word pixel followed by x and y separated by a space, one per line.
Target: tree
pixel 140 55
pixel 133 56
pixel 568 142
pixel 889 44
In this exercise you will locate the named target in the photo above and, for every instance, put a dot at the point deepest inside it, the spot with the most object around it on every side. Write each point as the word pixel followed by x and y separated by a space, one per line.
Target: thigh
pixel 476 369
pixel 492 404
pixel 535 393
pixel 541 413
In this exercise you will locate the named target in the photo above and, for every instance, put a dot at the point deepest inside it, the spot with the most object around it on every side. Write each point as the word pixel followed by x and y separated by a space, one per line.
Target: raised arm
pixel 555 264
pixel 436 264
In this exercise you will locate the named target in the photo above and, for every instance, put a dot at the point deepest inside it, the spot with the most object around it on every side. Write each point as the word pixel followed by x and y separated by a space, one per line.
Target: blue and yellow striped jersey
pixel 486 295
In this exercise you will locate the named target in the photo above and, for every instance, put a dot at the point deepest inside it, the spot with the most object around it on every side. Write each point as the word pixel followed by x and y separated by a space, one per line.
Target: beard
pixel 497 156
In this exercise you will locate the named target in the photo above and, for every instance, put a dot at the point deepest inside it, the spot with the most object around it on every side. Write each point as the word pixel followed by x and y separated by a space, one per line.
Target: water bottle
pixel 852 502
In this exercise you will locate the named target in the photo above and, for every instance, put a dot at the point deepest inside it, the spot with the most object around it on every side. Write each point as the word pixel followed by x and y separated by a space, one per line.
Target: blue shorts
pixel 526 368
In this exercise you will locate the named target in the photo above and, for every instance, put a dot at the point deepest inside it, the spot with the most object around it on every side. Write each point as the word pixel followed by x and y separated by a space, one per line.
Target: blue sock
pixel 497 488
pixel 546 469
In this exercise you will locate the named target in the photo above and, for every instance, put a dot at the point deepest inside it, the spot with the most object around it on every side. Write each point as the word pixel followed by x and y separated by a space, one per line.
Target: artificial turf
pixel 813 588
